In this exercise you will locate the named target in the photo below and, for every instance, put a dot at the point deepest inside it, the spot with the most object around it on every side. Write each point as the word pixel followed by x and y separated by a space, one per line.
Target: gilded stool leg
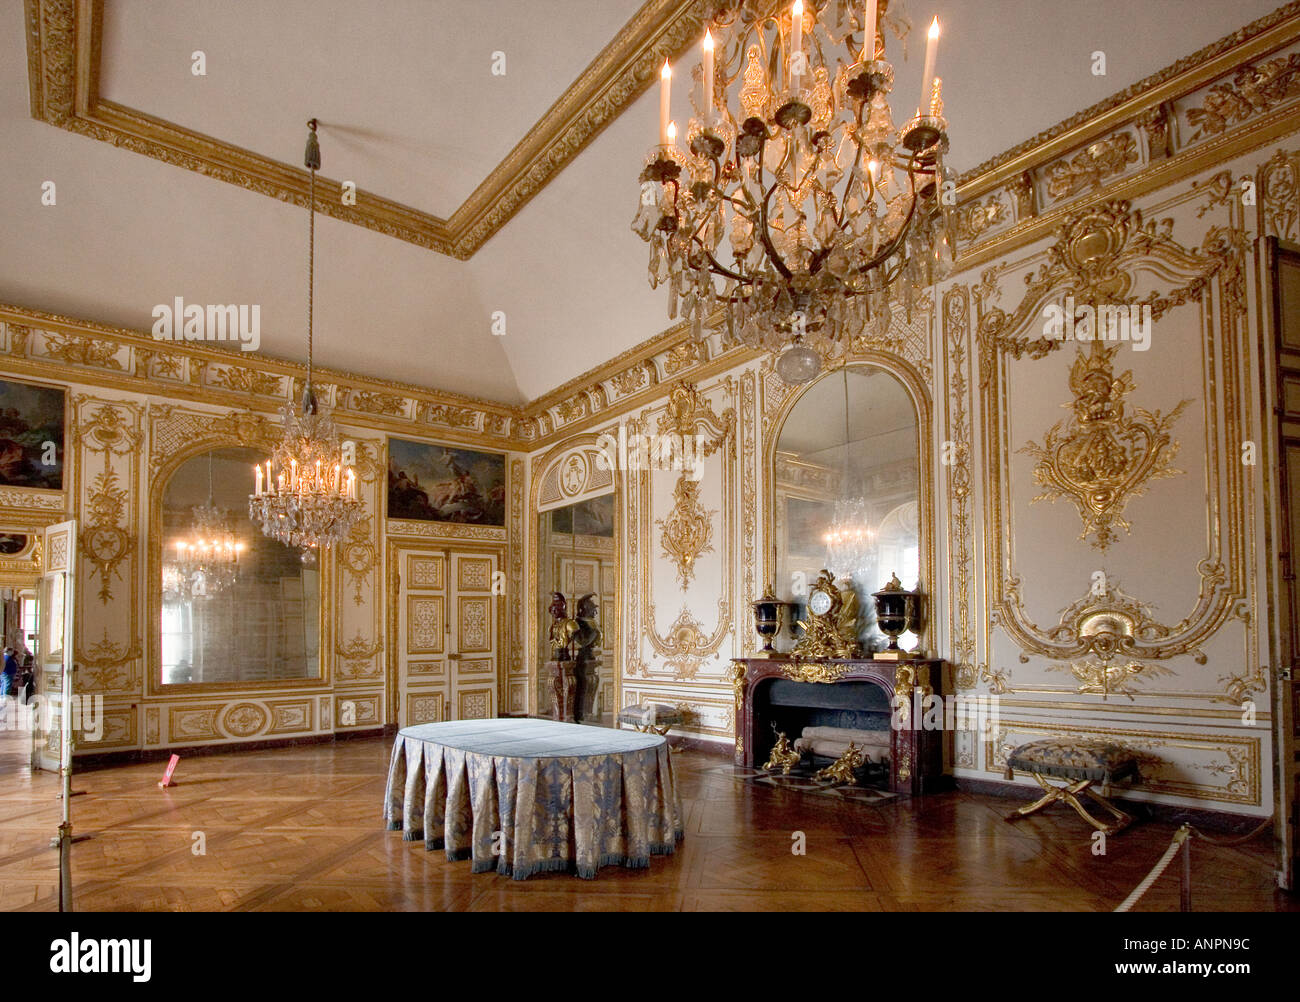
pixel 1069 794
pixel 1051 796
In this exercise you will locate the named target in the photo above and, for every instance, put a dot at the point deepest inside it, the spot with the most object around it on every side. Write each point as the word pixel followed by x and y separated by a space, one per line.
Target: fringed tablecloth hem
pixel 541 866
pixel 434 843
pixel 456 855
pixel 394 826
pixel 414 836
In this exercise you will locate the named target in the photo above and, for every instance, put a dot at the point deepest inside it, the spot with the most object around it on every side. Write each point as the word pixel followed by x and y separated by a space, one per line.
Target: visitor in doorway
pixel 7 679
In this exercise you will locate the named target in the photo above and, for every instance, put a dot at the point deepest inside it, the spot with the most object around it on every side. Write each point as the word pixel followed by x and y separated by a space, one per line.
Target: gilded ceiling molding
pixel 48 346
pixel 63 59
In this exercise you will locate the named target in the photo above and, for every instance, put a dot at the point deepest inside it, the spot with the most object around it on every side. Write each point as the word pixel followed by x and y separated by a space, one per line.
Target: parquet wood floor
pixel 299 829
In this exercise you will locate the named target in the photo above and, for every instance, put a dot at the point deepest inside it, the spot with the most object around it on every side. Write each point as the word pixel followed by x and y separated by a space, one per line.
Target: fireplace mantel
pixel 916 761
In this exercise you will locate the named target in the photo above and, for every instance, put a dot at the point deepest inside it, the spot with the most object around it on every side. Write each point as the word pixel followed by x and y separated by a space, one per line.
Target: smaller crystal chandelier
pixel 306 497
pixel 206 563
pixel 851 538
pixel 801 210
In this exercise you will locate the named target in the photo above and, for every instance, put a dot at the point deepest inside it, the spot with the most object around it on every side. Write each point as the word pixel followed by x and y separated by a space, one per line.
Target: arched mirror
pixel 847 486
pixel 235 606
pixel 576 560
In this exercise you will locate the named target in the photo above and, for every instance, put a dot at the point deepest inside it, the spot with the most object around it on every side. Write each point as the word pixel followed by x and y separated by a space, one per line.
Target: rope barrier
pixel 1184 833
pixel 1180 837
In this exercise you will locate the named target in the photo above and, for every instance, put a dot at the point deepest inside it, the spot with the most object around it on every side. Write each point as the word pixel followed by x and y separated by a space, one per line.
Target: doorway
pixel 445 632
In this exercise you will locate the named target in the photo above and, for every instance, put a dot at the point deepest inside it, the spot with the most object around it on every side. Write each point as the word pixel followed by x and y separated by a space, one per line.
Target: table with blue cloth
pixel 525 796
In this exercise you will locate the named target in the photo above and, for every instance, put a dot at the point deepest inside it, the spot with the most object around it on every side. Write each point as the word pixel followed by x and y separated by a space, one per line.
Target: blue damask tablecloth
pixel 525 796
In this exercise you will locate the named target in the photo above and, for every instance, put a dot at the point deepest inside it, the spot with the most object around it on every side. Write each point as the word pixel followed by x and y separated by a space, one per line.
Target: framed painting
pixel 31 436
pixel 593 517
pixel 436 483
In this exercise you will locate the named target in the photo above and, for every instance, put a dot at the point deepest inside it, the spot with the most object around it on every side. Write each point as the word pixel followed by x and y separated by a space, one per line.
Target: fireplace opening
pixel 853 706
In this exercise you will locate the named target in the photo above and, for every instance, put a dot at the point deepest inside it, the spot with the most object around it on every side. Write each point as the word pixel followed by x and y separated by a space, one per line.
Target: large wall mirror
pixel 576 558
pixel 235 606
pixel 847 490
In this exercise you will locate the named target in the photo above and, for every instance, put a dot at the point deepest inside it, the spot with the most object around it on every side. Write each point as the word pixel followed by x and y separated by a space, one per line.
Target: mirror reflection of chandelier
pixel 851 538
pixel 829 212
pixel 205 563
pixel 306 497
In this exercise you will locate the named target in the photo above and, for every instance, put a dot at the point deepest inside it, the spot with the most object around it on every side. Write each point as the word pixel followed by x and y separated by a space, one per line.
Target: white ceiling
pixel 411 111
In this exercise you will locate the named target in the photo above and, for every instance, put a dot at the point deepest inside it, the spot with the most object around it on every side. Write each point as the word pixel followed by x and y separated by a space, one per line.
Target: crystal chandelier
pixel 307 495
pixel 851 539
pixel 804 212
pixel 208 561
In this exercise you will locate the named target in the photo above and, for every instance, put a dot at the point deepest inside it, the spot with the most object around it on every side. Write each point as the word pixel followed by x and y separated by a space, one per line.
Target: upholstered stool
pixel 648 717
pixel 1080 763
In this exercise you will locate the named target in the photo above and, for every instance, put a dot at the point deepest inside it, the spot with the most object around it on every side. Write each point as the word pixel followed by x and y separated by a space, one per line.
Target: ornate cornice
pixel 49 346
pixel 1005 203
pixel 63 44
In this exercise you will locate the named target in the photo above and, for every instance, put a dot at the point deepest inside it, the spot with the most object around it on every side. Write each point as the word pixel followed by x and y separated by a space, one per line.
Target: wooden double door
pixel 445 632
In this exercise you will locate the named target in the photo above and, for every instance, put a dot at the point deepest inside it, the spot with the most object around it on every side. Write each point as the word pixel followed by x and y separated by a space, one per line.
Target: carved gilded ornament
pixel 105 519
pixel 372 402
pixel 812 671
pixel 685 644
pixel 1279 196
pixel 687 530
pixel 242 380
pixel 1253 90
pixel 975 218
pixel 1087 169
pixel 357 554
pixel 1100 457
pixel 1105 452
pixel 1103 678
pixel 75 350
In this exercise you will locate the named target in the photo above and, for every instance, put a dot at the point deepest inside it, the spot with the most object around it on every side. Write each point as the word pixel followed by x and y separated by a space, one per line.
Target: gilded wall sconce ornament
pixel 783 756
pixel 1100 458
pixel 840 772
pixel 831 629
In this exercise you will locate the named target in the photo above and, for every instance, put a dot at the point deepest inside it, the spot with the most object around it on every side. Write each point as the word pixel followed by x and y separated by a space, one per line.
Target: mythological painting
pixel 593 517
pixel 434 483
pixel 31 436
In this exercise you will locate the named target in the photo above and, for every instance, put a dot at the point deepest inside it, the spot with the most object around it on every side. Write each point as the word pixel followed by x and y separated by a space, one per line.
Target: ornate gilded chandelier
pixel 805 212
pixel 307 495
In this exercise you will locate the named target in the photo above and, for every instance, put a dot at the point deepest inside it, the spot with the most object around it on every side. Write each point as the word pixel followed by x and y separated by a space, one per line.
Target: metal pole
pixel 1185 902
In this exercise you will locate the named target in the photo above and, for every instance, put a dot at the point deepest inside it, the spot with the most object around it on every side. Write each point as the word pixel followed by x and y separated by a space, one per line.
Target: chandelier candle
pixel 796 46
pixel 869 29
pixel 797 208
pixel 931 54
pixel 708 77
pixel 665 99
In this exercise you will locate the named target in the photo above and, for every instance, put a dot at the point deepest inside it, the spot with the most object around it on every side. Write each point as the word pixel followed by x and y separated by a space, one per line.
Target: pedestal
pixel 588 682
pixel 564 684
